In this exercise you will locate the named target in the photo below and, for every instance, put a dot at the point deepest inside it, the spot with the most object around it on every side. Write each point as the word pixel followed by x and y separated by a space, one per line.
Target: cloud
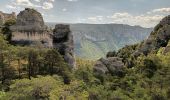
pixel 160 10
pixel 92 18
pixel 37 0
pixel 10 7
pixel 43 4
pixel 64 9
pixel 23 3
pixel 47 5
pixel 72 0
pixel 142 20
pixel 95 19
pixel 51 0
pixel 120 15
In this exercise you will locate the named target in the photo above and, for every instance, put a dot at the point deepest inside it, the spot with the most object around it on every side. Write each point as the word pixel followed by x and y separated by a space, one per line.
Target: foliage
pixel 36 88
pixel 25 76
pixel 6 29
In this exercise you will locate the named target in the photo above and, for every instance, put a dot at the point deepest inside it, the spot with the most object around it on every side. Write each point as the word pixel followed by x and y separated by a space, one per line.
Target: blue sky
pixel 146 13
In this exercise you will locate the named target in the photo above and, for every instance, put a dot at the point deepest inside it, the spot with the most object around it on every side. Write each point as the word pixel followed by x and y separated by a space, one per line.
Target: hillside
pixel 93 41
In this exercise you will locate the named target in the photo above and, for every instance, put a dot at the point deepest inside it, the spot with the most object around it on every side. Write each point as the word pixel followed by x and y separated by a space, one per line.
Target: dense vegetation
pixel 35 73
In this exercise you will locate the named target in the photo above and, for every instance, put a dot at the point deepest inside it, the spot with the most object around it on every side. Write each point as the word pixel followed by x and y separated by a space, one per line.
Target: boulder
pixel 100 68
pixel 112 65
pixel 63 41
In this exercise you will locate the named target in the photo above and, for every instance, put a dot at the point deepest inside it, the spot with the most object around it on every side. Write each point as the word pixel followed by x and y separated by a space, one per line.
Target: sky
pixel 146 13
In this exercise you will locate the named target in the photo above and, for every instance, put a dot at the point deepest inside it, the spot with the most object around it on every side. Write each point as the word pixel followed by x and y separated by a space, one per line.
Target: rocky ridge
pixel 159 37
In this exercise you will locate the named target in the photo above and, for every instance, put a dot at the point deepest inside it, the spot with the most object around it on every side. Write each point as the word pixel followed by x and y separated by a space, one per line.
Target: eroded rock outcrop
pixel 30 29
pixel 158 38
pixel 112 65
pixel 63 41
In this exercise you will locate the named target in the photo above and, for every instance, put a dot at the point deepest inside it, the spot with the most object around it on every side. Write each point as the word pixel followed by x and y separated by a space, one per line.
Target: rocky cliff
pixel 29 20
pixel 159 37
pixel 93 41
pixel 30 29
pixel 63 41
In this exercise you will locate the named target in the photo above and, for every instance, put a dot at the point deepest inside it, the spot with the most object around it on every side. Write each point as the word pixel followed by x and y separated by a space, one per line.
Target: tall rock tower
pixel 30 28
pixel 63 41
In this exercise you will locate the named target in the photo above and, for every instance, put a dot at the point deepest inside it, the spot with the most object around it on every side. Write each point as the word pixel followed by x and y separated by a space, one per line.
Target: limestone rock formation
pixel 63 41
pixel 29 19
pixel 30 29
pixel 112 65
pixel 158 38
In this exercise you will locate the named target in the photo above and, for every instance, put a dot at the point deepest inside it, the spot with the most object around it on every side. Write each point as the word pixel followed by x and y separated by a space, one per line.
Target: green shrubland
pixel 35 73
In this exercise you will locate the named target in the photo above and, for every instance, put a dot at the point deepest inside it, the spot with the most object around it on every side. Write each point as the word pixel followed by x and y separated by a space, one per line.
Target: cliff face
pixel 63 41
pixel 30 28
pixel 159 37
pixel 29 20
pixel 93 41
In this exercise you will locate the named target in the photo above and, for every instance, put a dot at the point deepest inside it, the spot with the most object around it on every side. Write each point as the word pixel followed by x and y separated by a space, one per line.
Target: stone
pixel 63 41
pixel 29 20
pixel 165 20
pixel 100 68
pixel 112 65
pixel 166 49
pixel 158 38
pixel 30 29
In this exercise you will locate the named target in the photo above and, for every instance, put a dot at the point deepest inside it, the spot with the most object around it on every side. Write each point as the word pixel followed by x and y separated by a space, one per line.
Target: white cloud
pixel 100 18
pixel 24 3
pixel 95 19
pixel 37 0
pixel 51 0
pixel 162 10
pixel 72 0
pixel 47 5
pixel 64 9
pixel 92 18
pixel 127 18
pixel 10 7
pixel 142 20
pixel 120 15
